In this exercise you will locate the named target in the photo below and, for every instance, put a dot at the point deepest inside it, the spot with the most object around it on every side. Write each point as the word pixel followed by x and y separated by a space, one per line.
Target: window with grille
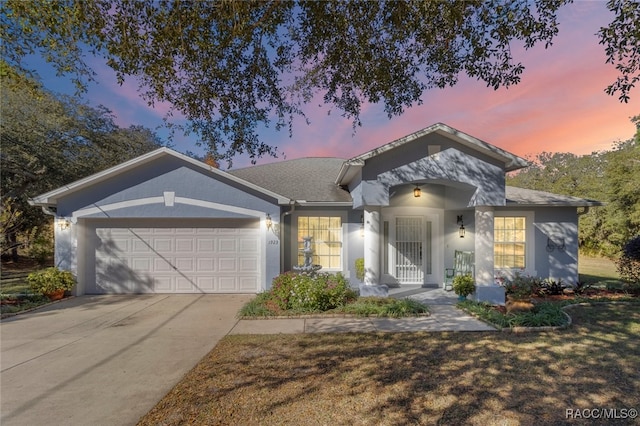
pixel 509 242
pixel 326 234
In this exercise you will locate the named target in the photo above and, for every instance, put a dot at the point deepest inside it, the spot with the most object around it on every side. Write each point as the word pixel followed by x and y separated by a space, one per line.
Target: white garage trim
pixel 161 200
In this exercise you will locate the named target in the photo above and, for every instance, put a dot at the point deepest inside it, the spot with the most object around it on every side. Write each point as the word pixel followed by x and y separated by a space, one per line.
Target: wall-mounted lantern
pixel 63 224
pixel 417 192
pixel 268 221
pixel 461 230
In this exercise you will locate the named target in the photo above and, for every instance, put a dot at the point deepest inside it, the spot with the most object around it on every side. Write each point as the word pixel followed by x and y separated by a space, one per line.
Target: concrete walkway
pixel 444 316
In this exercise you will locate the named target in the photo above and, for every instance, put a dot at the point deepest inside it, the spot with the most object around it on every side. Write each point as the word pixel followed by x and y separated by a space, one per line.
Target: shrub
pixel 360 269
pixel 304 292
pixel 463 285
pixel 629 264
pixel 521 286
pixel 50 280
pixel 548 287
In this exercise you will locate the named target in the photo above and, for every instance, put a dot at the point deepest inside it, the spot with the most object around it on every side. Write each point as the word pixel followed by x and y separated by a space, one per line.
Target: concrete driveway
pixel 105 360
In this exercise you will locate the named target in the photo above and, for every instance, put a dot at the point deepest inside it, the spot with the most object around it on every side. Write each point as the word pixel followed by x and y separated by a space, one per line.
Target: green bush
pixel 463 285
pixel 50 280
pixel 360 268
pixel 308 293
pixel 629 265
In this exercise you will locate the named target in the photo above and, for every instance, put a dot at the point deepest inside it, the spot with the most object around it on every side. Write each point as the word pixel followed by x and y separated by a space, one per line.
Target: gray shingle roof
pixel 313 180
pixel 309 179
pixel 530 197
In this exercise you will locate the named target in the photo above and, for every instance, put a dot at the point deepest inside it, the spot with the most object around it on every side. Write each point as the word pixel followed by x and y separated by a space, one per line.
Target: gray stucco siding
pixel 556 241
pixel 419 148
pixel 450 165
pixel 152 181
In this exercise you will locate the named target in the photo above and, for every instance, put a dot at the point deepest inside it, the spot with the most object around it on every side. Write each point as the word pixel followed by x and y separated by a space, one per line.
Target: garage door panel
pixel 248 245
pixel 184 245
pixel 227 245
pixel 206 284
pixel 227 283
pixel 206 265
pixel 163 245
pixel 177 260
pixel 247 283
pixel 163 285
pixel 248 264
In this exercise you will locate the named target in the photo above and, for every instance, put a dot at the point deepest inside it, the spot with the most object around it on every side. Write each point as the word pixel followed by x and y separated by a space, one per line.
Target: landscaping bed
pixel 296 295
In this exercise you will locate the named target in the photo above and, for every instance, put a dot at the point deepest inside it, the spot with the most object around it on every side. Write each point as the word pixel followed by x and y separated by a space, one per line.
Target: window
pixel 326 232
pixel 509 242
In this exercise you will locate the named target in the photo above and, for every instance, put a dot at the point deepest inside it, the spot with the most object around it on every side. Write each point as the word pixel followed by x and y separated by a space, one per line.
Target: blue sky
pixel 559 106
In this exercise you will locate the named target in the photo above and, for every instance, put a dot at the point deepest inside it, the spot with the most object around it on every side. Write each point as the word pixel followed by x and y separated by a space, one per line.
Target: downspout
pixel 292 205
pixel 47 210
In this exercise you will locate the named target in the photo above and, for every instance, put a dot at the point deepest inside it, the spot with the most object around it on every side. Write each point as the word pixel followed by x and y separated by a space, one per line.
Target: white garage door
pixel 220 259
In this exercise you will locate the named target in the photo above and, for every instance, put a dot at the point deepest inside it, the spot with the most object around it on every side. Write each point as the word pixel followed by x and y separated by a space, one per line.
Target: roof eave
pixel 348 171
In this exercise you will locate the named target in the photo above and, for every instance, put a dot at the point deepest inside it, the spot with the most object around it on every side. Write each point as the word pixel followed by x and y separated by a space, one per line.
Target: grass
pixel 16 295
pixel 415 378
pixel 597 271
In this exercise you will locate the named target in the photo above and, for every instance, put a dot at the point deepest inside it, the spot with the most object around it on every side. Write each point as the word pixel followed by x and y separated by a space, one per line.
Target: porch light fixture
pixel 461 230
pixel 416 192
pixel 64 224
pixel 269 222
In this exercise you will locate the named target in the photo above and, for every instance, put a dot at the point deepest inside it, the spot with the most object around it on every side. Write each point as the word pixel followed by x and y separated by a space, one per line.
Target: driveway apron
pixel 105 360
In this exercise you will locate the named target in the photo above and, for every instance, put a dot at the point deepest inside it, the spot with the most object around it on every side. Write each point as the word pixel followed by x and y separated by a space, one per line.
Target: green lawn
pixel 593 270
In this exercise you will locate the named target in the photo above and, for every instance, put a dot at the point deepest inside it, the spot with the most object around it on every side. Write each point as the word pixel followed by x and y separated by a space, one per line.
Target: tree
pixel 234 66
pixel 608 176
pixel 48 141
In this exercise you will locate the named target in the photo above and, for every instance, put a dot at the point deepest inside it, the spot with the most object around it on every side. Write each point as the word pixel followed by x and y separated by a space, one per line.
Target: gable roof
pixel 529 197
pixel 305 179
pixel 511 161
pixel 50 198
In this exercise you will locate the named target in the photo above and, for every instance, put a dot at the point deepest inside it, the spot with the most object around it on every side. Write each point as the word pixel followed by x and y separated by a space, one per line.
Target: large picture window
pixel 510 242
pixel 326 234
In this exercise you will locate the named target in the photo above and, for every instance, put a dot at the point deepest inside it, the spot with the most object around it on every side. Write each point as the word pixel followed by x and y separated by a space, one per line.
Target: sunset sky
pixel 559 106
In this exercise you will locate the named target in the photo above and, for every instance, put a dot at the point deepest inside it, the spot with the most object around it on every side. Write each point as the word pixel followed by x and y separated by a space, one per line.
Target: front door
pixel 413 253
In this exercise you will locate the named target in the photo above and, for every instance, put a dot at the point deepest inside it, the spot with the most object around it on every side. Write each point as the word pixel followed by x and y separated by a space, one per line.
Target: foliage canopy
pixel 608 176
pixel 49 141
pixel 231 66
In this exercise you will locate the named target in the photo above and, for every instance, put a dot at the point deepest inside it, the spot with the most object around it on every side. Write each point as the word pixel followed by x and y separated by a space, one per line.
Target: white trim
pixel 530 243
pixel 169 198
pixel 161 200
pixel 436 217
